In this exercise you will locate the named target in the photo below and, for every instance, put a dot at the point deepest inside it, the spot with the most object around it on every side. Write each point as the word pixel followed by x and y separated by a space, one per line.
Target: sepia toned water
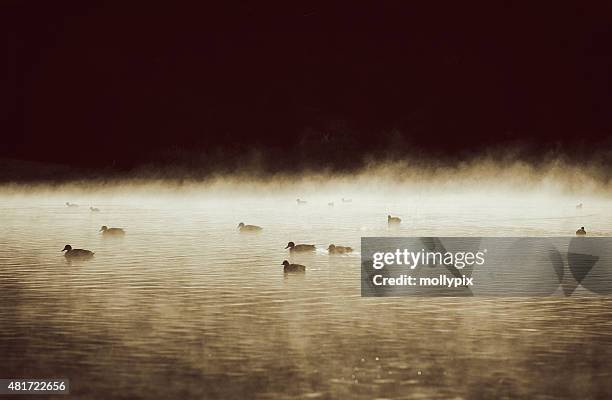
pixel 184 306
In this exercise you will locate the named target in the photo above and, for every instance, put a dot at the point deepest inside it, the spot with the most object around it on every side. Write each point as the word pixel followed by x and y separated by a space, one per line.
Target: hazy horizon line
pixel 481 173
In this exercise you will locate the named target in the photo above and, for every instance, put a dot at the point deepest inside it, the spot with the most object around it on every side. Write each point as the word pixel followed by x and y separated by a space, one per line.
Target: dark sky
pixel 124 83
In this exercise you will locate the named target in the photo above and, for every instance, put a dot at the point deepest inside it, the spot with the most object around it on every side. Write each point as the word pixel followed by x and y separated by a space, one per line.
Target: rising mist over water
pixel 486 174
pixel 185 299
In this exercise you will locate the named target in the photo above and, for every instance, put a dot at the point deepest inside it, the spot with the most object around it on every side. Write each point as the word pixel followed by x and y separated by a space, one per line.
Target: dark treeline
pixel 117 88
pixel 264 163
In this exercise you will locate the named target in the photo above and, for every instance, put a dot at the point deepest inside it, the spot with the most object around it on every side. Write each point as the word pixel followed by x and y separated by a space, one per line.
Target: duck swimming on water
pixel 581 231
pixel 249 228
pixel 69 204
pixel 393 220
pixel 77 253
pixel 94 209
pixel 300 247
pixel 111 231
pixel 333 249
pixel 293 267
pixel 299 201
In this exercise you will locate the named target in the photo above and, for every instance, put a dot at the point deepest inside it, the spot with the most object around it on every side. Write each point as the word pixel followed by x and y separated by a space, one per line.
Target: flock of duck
pixel 244 228
pixel 332 249
pixel 306 248
pixel 71 253
pixel 296 248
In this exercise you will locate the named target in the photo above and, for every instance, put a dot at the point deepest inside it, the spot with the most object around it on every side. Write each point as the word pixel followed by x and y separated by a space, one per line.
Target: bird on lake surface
pixel 249 228
pixel 94 209
pixel 69 204
pixel 293 267
pixel 301 201
pixel 393 220
pixel 581 231
pixel 77 253
pixel 111 231
pixel 333 249
pixel 300 247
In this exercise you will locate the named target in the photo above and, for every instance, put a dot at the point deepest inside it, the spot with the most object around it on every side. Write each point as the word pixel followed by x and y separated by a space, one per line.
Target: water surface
pixel 184 306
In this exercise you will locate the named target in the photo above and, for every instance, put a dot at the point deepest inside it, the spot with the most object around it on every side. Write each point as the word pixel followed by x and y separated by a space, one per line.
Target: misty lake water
pixel 184 306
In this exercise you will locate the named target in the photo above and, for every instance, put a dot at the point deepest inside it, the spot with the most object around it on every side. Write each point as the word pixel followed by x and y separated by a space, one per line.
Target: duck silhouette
pixel 94 209
pixel 249 228
pixel 299 201
pixel 393 220
pixel 77 253
pixel 111 231
pixel 293 267
pixel 69 204
pixel 300 247
pixel 333 249
pixel 581 231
